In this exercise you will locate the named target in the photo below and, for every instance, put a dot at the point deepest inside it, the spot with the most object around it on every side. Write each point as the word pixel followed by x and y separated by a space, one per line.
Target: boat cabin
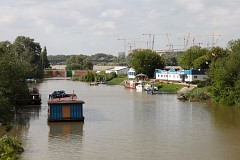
pixel 64 107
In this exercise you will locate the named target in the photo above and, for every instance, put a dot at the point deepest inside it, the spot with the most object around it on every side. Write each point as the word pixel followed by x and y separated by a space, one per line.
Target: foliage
pixel 79 62
pixel 100 77
pixel 200 58
pixel 171 59
pixel 225 76
pixel 145 61
pixel 58 59
pixel 89 77
pixel 44 59
pixel 110 76
pixel 197 94
pixel 195 58
pixel 28 52
pixel 13 88
pixel 102 57
pixel 10 148
pixel 97 59
pixel 201 84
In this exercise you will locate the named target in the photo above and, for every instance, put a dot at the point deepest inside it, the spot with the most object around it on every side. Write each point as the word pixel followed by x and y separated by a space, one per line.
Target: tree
pixel 171 59
pixel 102 57
pixel 224 74
pixel 145 61
pixel 79 62
pixel 13 88
pixel 189 59
pixel 28 52
pixel 44 58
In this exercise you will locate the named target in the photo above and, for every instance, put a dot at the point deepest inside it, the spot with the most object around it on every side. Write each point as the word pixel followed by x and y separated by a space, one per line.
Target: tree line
pixel 86 61
pixel 22 59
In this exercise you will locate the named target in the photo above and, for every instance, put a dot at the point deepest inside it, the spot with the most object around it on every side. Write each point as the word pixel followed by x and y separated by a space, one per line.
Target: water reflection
pixel 65 140
pixel 22 120
pixel 65 129
pixel 25 113
pixel 225 115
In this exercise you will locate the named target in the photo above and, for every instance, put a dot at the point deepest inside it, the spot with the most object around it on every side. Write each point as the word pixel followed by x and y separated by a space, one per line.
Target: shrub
pixel 197 94
pixel 10 148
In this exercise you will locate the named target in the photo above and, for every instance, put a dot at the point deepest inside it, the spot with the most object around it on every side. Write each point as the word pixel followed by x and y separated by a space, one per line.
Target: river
pixel 125 124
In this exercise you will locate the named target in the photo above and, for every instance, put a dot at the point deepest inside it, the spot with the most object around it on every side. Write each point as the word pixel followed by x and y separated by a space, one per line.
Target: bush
pixel 201 84
pixel 89 77
pixel 197 94
pixel 10 148
pixel 110 76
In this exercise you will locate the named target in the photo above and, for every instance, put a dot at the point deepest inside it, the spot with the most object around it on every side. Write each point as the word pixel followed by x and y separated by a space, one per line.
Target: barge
pixel 34 97
pixel 64 107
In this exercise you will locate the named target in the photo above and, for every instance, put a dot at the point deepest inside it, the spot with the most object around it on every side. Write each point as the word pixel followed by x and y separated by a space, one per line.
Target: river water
pixel 125 124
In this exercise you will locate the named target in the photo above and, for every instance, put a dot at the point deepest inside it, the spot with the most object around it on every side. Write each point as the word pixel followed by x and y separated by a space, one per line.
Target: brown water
pixel 124 124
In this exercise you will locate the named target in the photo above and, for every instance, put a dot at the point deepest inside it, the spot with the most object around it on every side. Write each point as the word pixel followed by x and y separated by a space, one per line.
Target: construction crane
pixel 213 39
pixel 169 44
pixel 130 45
pixel 149 41
pixel 186 40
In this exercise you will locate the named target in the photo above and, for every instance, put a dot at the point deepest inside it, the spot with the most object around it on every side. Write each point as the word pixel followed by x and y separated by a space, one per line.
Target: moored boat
pixel 34 97
pixel 131 84
pixel 139 88
pixel 64 107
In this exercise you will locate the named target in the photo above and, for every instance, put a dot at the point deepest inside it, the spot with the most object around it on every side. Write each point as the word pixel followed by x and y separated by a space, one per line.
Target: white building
pixel 181 76
pixel 59 66
pixel 119 70
pixel 131 73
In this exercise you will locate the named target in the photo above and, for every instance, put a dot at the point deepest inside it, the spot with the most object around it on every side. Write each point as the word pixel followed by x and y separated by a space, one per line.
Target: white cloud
pixel 112 13
pixel 195 7
pixel 59 22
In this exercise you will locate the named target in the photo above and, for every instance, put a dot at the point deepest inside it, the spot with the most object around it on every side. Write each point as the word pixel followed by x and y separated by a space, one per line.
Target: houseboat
pixel 34 97
pixel 131 84
pixel 64 107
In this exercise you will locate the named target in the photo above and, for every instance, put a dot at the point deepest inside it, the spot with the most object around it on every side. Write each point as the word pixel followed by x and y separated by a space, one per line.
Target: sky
pixel 110 26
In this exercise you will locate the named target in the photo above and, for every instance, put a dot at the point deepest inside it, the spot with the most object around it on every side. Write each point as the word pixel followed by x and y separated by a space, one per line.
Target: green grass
pixel 168 87
pixel 116 81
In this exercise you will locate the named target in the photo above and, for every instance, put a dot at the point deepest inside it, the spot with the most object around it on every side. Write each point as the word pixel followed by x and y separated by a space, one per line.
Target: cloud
pixel 60 22
pixel 114 13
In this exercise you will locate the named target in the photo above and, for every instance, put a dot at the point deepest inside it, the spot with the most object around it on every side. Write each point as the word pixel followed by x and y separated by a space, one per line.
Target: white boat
pixel 149 87
pixel 139 88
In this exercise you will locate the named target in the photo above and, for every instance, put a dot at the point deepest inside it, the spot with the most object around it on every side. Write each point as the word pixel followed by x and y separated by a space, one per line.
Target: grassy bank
pixel 200 94
pixel 116 81
pixel 168 87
